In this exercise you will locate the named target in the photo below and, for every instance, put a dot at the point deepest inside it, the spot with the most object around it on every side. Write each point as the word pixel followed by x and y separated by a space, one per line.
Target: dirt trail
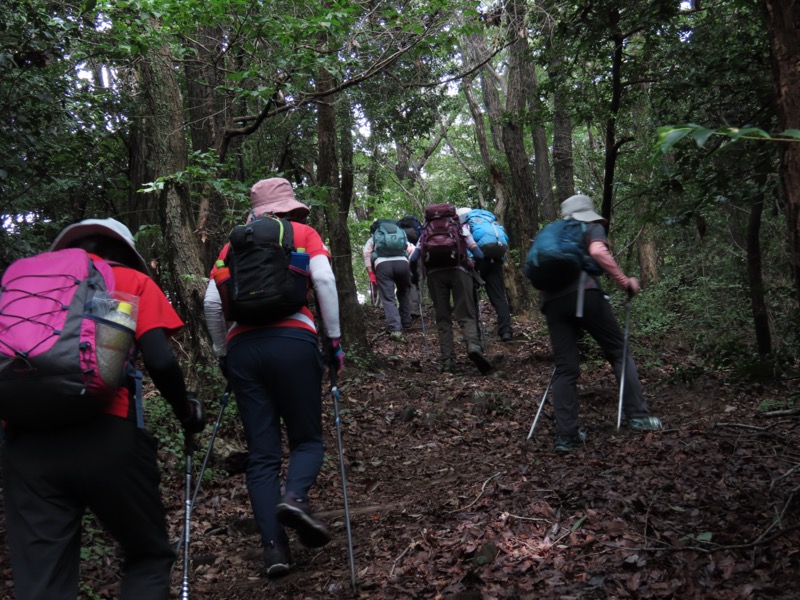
pixel 448 501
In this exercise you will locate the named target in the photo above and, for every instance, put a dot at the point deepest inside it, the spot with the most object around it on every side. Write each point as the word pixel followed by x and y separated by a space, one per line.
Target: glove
pixel 196 420
pixel 633 286
pixel 336 355
pixel 373 279
pixel 222 363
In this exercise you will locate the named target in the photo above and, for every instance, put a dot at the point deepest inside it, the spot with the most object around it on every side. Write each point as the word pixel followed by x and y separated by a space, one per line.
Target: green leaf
pixel 579 522
pixel 669 136
pixel 704 537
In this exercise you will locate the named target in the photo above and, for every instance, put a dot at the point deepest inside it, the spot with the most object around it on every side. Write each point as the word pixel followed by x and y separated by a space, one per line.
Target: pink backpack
pixel 52 306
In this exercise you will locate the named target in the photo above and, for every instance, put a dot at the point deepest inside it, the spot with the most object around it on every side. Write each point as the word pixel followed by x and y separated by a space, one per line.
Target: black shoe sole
pixel 277 570
pixel 480 361
pixel 312 533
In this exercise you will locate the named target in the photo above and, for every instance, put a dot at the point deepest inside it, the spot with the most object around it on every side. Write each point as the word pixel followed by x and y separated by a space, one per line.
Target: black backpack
pixel 264 286
pixel 413 228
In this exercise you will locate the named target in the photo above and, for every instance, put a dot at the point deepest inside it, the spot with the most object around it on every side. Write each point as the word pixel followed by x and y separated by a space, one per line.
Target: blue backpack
pixel 488 233
pixel 558 256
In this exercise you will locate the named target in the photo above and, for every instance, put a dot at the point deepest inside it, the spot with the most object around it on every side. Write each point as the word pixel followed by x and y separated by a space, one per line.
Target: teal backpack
pixel 389 238
pixel 558 256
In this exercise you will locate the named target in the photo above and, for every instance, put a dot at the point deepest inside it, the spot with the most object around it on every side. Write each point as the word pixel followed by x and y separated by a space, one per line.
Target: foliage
pixel 669 135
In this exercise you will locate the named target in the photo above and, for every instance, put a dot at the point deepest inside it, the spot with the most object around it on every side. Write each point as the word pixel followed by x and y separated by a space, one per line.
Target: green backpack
pixel 389 238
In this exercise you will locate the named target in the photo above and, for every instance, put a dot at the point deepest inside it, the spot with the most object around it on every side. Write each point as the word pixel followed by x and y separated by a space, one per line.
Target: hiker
pixel 442 249
pixel 413 228
pixel 386 255
pixel 275 370
pixel 105 463
pixel 585 297
pixel 492 239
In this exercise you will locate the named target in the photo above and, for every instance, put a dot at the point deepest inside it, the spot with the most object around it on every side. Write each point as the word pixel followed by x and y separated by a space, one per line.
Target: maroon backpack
pixel 443 244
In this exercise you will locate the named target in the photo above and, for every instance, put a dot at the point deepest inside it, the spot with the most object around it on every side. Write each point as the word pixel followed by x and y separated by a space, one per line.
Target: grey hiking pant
pixel 442 284
pixel 390 274
pixel 565 331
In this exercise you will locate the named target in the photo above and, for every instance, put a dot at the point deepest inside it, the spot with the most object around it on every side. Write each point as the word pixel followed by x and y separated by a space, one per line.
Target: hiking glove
pixel 633 287
pixel 336 355
pixel 222 363
pixel 373 278
pixel 196 420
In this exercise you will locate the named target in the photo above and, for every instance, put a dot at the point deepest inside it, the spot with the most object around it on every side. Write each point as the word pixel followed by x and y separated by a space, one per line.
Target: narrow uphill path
pixel 448 500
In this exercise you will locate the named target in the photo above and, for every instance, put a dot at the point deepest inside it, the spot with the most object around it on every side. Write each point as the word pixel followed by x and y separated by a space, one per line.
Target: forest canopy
pixel 163 113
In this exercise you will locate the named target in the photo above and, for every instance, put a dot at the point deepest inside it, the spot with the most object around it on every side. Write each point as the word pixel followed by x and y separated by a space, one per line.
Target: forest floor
pixel 449 501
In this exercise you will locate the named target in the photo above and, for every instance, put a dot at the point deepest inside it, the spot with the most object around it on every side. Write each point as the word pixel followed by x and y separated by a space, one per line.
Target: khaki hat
pixel 275 195
pixel 580 208
pixel 110 228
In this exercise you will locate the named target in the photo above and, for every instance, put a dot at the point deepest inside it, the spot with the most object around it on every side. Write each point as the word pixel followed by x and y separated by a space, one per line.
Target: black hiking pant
pixel 565 332
pixel 50 478
pixel 491 271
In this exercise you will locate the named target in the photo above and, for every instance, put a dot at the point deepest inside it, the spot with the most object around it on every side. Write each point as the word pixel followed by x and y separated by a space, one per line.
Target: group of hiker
pixel 458 251
pixel 57 463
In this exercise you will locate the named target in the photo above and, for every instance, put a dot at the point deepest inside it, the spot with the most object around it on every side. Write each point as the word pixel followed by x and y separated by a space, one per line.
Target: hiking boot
pixel 645 424
pixel 475 354
pixel 397 336
pixel 276 559
pixel 448 366
pixel 569 443
pixel 295 513
pixel 507 336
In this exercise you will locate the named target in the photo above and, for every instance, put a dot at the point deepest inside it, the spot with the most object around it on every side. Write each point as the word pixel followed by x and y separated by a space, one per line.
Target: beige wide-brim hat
pixel 580 208
pixel 106 227
pixel 275 195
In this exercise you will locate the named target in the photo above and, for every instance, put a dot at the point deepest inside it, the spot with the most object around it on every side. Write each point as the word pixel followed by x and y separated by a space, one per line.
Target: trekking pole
pixel 624 356
pixel 541 404
pixel 335 394
pixel 188 517
pixel 224 402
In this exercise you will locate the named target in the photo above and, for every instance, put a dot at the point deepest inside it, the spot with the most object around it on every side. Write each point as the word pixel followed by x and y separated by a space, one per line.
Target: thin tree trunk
pixel 754 276
pixel 562 143
pixel 541 153
pixel 612 148
pixel 338 205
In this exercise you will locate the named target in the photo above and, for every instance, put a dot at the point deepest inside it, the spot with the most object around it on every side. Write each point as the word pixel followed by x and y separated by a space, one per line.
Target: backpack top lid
pixel 440 211
pixel 378 222
pixel 110 228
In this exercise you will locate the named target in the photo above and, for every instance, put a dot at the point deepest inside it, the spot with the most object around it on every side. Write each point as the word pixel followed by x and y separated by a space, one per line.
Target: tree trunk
pixel 612 148
pixel 783 24
pixel 523 212
pixel 337 209
pixel 207 111
pixel 562 144
pixel 541 150
pixel 496 176
pixel 164 148
pixel 754 276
